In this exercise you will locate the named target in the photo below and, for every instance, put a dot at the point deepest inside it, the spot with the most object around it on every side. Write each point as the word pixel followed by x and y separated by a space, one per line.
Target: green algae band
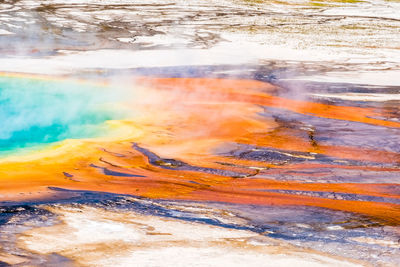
pixel 37 111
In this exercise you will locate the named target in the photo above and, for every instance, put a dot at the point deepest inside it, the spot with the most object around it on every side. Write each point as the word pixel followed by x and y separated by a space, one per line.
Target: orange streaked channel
pixel 187 119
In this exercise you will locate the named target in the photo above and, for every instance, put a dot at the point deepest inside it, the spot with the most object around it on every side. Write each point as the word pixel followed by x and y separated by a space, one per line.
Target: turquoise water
pixel 36 112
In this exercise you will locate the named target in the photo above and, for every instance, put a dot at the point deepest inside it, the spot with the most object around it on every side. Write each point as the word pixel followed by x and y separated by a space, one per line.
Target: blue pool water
pixel 36 112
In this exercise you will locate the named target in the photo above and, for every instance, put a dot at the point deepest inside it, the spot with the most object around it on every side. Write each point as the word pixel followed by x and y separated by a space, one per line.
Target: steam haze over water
pixel 200 133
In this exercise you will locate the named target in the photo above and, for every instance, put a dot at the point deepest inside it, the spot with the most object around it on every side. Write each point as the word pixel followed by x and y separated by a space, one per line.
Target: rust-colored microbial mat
pixel 213 140
pixel 220 141
pixel 200 133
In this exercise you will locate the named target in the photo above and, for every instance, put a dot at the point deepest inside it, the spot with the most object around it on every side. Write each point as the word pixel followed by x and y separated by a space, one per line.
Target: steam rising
pixel 38 111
